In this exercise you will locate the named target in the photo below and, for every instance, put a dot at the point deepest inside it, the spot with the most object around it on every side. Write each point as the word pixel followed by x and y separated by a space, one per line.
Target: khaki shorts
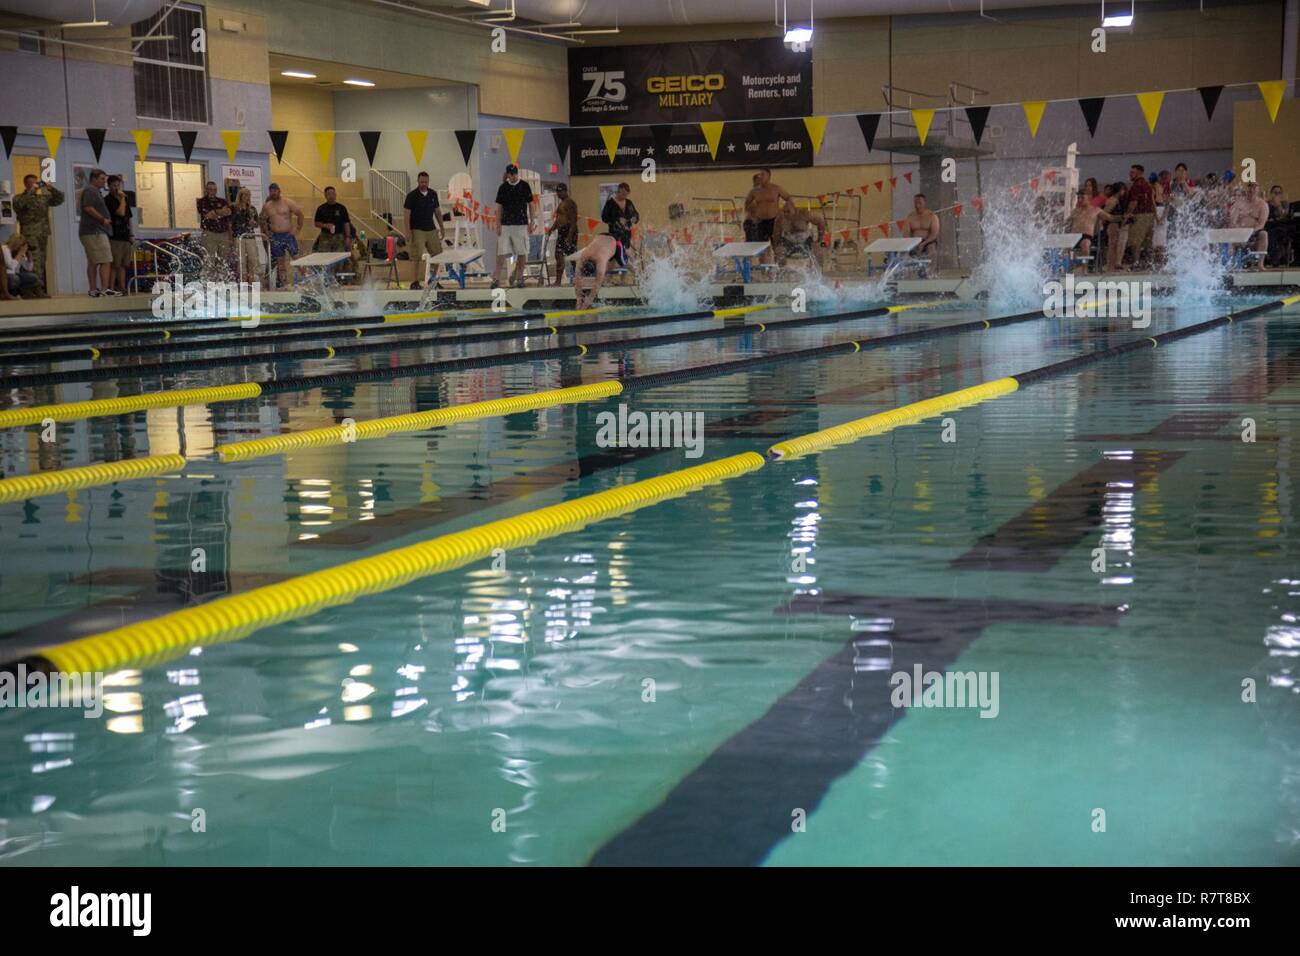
pixel 327 242
pixel 121 249
pixel 422 241
pixel 215 243
pixel 98 251
pixel 513 241
pixel 1139 230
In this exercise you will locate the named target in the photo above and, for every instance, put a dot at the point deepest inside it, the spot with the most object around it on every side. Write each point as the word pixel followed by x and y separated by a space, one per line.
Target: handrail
pixel 317 188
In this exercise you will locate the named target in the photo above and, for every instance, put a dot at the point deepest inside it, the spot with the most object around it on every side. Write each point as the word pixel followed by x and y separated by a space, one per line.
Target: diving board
pixel 741 254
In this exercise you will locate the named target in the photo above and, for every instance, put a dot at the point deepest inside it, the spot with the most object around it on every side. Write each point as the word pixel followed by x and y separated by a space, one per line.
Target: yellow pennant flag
pixel 1151 103
pixel 816 126
pixel 231 138
pixel 417 138
pixel 1034 114
pixel 514 141
pixel 923 119
pixel 143 137
pixel 1272 91
pixel 53 137
pixel 324 143
pixel 713 136
pixel 611 135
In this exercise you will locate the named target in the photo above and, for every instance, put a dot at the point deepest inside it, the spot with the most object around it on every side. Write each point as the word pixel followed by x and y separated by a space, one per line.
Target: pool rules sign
pixel 660 93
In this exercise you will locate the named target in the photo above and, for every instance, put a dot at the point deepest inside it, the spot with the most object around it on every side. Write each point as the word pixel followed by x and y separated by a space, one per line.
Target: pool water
pixel 706 680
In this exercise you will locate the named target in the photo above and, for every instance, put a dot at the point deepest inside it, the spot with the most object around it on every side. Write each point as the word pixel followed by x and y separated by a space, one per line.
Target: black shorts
pixel 566 243
pixel 759 230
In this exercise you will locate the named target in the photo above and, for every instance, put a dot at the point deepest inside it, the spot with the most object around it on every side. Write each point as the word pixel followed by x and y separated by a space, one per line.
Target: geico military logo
pixel 692 89
pixel 607 86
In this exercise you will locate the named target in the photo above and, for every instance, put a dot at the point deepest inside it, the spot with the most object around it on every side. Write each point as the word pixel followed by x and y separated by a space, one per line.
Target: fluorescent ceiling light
pixel 798 35
pixel 1118 20
pixel 358 83
pixel 298 74
pixel 85 23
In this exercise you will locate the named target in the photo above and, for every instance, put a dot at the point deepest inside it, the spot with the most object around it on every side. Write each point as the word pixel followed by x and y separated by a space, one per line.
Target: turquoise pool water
pixel 669 686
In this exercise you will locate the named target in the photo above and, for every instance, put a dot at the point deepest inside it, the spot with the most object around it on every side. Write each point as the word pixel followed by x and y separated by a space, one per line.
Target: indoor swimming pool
pixel 704 680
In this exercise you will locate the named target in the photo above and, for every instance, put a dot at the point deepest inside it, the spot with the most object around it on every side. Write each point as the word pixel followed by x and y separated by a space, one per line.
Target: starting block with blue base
pixel 742 255
pixel 456 262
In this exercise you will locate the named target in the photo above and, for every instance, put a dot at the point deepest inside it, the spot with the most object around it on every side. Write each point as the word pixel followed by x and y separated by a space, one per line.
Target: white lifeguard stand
pixel 464 234
pixel 1062 181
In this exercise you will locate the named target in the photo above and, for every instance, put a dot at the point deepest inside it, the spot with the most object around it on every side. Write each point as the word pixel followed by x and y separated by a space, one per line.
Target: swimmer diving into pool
pixel 602 250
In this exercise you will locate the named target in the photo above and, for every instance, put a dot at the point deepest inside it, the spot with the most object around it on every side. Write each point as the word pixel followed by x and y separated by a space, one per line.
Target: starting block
pixel 1060 249
pixel 896 253
pixel 456 261
pixel 742 255
pixel 1230 242
pixel 321 262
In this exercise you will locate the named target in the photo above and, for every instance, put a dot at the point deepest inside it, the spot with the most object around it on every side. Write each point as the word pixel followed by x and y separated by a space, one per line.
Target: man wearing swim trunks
pixel 565 227
pixel 1084 219
pixel 796 230
pixel 600 252
pixel 923 223
pixel 282 218
pixel 761 208
pixel 1251 212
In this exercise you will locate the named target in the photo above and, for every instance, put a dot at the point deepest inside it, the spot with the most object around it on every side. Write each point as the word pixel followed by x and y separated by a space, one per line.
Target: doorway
pixel 24 166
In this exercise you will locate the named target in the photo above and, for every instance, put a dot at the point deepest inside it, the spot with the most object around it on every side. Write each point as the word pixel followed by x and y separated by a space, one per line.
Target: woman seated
pixel 20 280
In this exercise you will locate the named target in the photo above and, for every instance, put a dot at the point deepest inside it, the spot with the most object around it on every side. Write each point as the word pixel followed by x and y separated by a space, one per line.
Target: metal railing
pixel 949 105
pixel 388 191
pixel 367 221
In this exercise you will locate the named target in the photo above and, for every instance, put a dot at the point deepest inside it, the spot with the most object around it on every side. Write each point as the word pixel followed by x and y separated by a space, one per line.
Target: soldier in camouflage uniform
pixel 31 208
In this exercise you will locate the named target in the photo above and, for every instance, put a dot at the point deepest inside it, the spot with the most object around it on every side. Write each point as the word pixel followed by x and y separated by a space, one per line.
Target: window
pixel 165 195
pixel 31 41
pixel 171 78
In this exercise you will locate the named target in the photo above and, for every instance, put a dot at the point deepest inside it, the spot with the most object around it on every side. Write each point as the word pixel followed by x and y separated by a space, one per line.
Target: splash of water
pixel 1014 269
pixel 1199 275
pixel 674 278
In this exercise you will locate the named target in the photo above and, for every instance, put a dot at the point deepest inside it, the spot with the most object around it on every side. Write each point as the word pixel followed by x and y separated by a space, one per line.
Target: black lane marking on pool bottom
pixel 735 807
pixel 1042 534
pixel 1038 537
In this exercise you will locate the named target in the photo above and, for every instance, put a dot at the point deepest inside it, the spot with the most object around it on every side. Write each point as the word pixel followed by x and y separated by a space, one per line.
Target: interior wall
pixel 302 109
pixel 1273 146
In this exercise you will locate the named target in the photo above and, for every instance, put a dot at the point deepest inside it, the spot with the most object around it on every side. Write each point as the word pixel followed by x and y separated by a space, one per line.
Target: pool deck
pixel 59 310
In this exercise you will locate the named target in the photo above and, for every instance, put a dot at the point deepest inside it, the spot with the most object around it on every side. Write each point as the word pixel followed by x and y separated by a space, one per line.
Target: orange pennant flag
pixel 880 185
pixel 907 176
pixel 901 224
pixel 884 230
pixel 977 202
pixel 1033 184
pixel 956 210
pixel 893 182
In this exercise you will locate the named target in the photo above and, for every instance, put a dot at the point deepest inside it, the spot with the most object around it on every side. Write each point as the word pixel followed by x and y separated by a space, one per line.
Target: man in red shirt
pixel 1141 211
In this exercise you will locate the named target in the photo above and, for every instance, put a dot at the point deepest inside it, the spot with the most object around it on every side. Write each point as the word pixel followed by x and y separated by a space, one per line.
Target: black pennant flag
pixel 869 123
pixel 465 137
pixel 370 140
pixel 1091 107
pixel 977 116
pixel 662 133
pixel 96 137
pixel 561 135
pixel 1210 97
pixel 187 138
pixel 279 138
pixel 8 134
pixel 763 132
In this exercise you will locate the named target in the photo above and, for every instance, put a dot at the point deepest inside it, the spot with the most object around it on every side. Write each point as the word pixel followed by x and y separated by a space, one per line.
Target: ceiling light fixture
pixel 358 83
pixel 799 35
pixel 298 74
pixel 1118 19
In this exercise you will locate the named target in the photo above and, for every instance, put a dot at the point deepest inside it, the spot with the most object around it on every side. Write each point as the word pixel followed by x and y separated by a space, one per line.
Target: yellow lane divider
pixel 741 310
pixel 912 305
pixel 68 411
pixel 410 316
pixel 237 616
pixel 70 479
pixel 416 421
pixel 894 418
pixel 1291 300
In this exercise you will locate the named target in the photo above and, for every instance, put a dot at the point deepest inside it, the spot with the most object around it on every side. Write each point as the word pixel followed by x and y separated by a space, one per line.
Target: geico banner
pixel 688 82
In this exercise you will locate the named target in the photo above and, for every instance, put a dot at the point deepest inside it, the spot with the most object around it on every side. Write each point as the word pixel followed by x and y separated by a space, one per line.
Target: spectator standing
pixel 565 227
pixel 244 229
pixel 32 210
pixel 282 218
pixel 1141 212
pixel 423 223
pixel 334 224
pixel 515 197
pixel 94 230
pixel 620 215
pixel 120 239
pixel 214 218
